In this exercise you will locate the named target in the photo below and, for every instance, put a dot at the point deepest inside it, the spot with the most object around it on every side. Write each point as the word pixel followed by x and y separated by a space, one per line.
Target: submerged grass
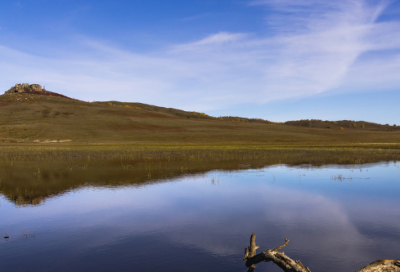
pixel 267 154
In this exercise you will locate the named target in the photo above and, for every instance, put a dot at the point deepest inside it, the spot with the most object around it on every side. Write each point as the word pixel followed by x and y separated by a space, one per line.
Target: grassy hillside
pixel 47 119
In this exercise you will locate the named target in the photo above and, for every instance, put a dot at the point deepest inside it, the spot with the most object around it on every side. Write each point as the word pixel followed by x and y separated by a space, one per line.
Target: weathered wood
pixel 289 265
pixel 250 252
pixel 279 258
pixel 382 266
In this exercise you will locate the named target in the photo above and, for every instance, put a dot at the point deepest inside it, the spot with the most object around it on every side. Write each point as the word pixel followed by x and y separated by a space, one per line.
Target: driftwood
pixel 289 265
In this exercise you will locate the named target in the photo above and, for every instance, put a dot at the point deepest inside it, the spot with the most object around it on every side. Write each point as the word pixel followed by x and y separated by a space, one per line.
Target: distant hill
pixel 343 124
pixel 30 114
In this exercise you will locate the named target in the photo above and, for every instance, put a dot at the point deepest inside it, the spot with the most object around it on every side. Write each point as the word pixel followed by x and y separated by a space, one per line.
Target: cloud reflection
pixel 194 216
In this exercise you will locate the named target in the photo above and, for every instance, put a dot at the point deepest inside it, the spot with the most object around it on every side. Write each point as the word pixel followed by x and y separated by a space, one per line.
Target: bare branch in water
pixel 289 265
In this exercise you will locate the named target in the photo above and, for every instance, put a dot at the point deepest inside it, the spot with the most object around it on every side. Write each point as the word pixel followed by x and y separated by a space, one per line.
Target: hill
pixel 29 114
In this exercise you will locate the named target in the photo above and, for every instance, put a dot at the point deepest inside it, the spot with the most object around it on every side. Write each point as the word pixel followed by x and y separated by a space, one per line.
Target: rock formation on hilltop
pixel 25 88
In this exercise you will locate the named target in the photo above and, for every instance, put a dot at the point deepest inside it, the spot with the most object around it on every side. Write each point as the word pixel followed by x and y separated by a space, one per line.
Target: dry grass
pixel 199 153
pixel 31 119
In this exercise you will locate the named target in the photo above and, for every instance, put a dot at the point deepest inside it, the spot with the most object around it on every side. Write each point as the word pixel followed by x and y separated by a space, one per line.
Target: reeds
pixel 198 153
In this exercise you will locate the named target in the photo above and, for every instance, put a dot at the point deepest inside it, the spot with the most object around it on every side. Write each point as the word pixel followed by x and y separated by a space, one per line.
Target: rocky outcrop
pixel 33 89
pixel 25 88
pixel 36 87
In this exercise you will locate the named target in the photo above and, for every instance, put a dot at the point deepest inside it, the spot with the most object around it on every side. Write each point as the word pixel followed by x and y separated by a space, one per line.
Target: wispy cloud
pixel 312 47
pixel 216 39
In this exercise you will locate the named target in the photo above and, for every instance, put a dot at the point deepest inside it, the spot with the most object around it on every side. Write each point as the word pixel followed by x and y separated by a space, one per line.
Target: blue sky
pixel 274 59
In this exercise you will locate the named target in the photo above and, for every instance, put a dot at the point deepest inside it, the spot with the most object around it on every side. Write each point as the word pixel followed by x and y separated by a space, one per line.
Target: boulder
pixel 24 88
pixel 36 87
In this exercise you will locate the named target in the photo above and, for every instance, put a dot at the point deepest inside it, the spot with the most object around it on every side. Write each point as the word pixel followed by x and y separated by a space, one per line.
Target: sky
pixel 278 60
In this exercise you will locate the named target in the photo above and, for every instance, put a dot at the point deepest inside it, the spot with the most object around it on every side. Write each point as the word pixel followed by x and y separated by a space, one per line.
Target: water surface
pixel 161 217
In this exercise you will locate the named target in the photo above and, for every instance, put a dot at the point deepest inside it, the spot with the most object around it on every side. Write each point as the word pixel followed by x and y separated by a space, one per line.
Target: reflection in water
pixel 30 184
pixel 115 217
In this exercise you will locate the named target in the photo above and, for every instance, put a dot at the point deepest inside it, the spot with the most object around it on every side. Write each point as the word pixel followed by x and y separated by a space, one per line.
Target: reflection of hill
pixel 31 183
pixel 25 200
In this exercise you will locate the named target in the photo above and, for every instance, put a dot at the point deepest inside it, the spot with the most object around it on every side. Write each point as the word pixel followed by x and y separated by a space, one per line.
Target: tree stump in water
pixel 289 265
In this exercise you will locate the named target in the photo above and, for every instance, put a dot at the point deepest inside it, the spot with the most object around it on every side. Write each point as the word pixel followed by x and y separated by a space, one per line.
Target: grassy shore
pixel 51 128
pixel 265 154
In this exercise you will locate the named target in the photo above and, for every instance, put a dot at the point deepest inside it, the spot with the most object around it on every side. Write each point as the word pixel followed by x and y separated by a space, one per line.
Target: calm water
pixel 161 218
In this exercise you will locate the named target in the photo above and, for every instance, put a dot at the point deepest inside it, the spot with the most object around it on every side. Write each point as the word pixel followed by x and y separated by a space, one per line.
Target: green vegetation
pixel 34 120
pixel 315 123
pixel 173 152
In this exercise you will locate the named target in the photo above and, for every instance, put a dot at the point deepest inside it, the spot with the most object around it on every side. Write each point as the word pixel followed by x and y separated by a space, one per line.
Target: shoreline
pixel 162 151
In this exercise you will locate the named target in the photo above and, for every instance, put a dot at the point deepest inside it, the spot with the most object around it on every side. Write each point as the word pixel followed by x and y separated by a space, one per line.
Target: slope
pixel 32 118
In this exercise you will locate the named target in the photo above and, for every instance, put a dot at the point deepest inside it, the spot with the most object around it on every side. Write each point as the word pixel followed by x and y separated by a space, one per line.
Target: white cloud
pixel 313 47
pixel 220 38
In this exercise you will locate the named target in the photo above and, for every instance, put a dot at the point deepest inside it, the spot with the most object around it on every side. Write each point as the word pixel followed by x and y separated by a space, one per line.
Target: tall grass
pixel 197 153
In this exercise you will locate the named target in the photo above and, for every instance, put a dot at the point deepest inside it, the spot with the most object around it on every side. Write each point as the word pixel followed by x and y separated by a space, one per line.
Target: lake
pixel 171 216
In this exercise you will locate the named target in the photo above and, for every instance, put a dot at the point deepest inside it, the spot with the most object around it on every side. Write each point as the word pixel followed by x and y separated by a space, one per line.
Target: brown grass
pixel 28 118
